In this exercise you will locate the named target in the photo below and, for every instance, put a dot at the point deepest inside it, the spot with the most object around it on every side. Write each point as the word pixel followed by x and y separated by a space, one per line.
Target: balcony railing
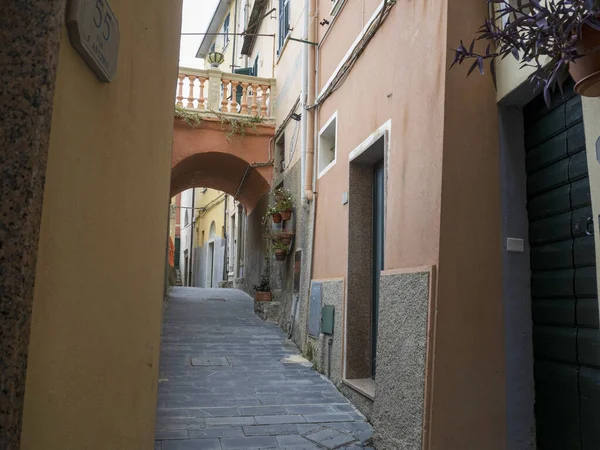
pixel 215 91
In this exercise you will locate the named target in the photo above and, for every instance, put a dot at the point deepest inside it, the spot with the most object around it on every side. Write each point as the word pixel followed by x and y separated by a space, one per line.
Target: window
pixel 280 154
pixel 212 47
pixel 187 219
pixel 255 66
pixel 327 145
pixel 226 32
pixel 284 21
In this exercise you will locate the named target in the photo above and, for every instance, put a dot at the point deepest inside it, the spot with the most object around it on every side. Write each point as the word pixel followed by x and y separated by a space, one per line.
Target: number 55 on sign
pixel 94 33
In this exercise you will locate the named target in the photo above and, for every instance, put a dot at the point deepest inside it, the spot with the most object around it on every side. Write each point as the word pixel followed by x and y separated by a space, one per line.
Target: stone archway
pixel 240 166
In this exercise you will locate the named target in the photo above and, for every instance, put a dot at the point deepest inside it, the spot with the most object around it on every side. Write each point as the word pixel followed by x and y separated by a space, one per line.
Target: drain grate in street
pixel 209 361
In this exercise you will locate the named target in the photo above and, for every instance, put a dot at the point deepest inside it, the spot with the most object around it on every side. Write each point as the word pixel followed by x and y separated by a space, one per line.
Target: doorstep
pixel 364 386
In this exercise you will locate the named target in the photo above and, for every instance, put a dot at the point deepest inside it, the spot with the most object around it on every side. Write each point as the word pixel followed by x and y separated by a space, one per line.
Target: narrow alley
pixel 230 381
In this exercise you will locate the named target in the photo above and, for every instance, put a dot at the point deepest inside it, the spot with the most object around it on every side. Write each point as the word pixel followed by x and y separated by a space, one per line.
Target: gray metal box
pixel 327 319
pixel 314 313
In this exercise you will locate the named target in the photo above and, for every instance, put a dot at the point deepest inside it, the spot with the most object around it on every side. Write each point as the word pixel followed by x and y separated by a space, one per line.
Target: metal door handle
pixel 589 221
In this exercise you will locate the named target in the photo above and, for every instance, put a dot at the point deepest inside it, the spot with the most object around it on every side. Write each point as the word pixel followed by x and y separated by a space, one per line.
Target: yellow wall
pixel 95 334
pixel 215 213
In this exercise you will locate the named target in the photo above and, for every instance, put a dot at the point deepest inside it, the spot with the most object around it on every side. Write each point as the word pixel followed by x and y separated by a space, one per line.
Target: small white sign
pixel 94 32
pixel 515 245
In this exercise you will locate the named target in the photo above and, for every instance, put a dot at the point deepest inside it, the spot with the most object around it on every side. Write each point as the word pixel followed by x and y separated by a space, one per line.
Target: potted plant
pixel 275 214
pixel 551 37
pixel 280 251
pixel 262 290
pixel 283 236
pixel 285 203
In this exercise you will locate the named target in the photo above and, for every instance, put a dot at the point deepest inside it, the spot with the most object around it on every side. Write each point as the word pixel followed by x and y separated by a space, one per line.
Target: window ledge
pixel 283 47
pixel 364 386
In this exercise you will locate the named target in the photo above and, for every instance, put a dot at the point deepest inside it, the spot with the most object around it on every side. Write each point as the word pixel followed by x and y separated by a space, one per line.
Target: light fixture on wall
pixel 215 59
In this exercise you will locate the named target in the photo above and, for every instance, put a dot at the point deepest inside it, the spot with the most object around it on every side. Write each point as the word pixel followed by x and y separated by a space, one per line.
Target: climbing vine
pixel 231 125
pixel 238 125
pixel 193 119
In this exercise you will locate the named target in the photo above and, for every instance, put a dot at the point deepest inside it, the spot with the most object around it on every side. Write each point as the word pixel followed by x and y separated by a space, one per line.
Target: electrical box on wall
pixel 314 311
pixel 327 319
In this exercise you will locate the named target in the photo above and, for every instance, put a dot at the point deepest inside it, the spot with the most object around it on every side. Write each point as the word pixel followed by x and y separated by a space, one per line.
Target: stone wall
pixel 401 358
pixel 333 294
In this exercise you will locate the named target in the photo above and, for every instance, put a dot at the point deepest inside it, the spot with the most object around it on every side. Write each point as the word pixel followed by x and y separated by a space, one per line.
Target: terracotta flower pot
pixel 586 70
pixel 262 297
pixel 280 255
pixel 286 240
pixel 286 215
pixel 276 218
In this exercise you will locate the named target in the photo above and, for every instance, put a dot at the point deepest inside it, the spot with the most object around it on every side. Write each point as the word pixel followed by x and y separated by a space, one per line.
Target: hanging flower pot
pixel 215 59
pixel 284 237
pixel 286 215
pixel 586 70
pixel 276 217
pixel 280 254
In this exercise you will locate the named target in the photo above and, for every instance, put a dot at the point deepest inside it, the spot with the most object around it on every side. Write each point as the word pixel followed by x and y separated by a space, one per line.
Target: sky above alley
pixel 195 18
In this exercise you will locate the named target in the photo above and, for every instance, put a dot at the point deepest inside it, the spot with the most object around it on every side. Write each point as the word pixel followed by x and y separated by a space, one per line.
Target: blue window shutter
pixel 284 21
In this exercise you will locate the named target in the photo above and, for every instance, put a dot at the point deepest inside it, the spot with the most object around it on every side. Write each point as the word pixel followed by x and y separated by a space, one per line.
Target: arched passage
pixel 224 172
pixel 240 166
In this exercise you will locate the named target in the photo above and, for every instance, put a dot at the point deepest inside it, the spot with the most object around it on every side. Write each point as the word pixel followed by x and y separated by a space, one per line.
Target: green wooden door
pixel 563 276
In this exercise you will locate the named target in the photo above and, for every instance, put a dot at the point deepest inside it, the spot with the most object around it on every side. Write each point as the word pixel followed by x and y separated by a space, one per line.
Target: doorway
pixel 378 256
pixel 366 227
pixel 186 264
pixel 563 276
pixel 211 264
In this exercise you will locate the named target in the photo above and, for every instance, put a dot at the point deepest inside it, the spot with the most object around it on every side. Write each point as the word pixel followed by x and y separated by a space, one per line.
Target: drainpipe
pixel 247 17
pixel 307 125
pixel 225 239
pixel 190 282
pixel 235 32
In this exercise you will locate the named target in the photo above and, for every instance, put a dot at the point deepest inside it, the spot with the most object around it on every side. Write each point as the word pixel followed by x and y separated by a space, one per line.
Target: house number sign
pixel 94 32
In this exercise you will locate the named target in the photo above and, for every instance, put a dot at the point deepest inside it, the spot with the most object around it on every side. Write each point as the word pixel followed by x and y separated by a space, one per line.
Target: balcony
pixel 210 92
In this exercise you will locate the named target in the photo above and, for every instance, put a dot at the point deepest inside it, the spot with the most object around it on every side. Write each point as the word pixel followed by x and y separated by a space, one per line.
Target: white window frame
pixel 324 170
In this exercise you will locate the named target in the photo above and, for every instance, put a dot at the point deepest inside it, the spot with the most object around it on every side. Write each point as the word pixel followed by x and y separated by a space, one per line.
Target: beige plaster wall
pixel 467 381
pixel 411 96
pixel 93 357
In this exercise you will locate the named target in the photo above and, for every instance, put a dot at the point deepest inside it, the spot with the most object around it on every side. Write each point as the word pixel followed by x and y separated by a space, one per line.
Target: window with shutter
pixel 284 21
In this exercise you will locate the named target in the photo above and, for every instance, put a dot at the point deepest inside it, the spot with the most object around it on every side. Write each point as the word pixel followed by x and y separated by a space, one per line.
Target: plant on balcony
pixel 238 125
pixel 285 203
pixel 193 119
pixel 262 290
pixel 280 250
pixel 283 236
pixel 552 38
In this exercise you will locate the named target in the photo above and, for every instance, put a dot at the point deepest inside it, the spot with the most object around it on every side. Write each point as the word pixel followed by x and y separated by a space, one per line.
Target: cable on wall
pixel 346 68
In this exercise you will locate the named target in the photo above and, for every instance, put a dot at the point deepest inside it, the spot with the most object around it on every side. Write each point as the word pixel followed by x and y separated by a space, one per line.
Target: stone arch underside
pixel 224 172
pixel 203 156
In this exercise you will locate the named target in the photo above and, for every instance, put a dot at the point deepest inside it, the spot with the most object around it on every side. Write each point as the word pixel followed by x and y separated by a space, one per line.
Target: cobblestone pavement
pixel 225 383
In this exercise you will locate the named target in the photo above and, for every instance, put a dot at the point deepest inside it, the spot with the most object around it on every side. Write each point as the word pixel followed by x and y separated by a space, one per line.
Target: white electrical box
pixel 344 197
pixel 515 245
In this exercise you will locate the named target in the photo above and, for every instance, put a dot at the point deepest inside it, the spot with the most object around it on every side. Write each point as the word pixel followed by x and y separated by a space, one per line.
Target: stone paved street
pixel 230 381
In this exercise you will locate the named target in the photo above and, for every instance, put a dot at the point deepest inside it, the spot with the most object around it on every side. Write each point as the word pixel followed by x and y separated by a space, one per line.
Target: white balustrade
pixel 231 93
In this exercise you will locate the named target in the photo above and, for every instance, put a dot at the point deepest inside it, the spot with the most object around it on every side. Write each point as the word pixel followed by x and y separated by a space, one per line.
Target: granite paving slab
pixel 228 380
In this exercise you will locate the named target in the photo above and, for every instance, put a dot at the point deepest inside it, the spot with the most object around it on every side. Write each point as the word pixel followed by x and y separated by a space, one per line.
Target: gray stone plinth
pixel 401 354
